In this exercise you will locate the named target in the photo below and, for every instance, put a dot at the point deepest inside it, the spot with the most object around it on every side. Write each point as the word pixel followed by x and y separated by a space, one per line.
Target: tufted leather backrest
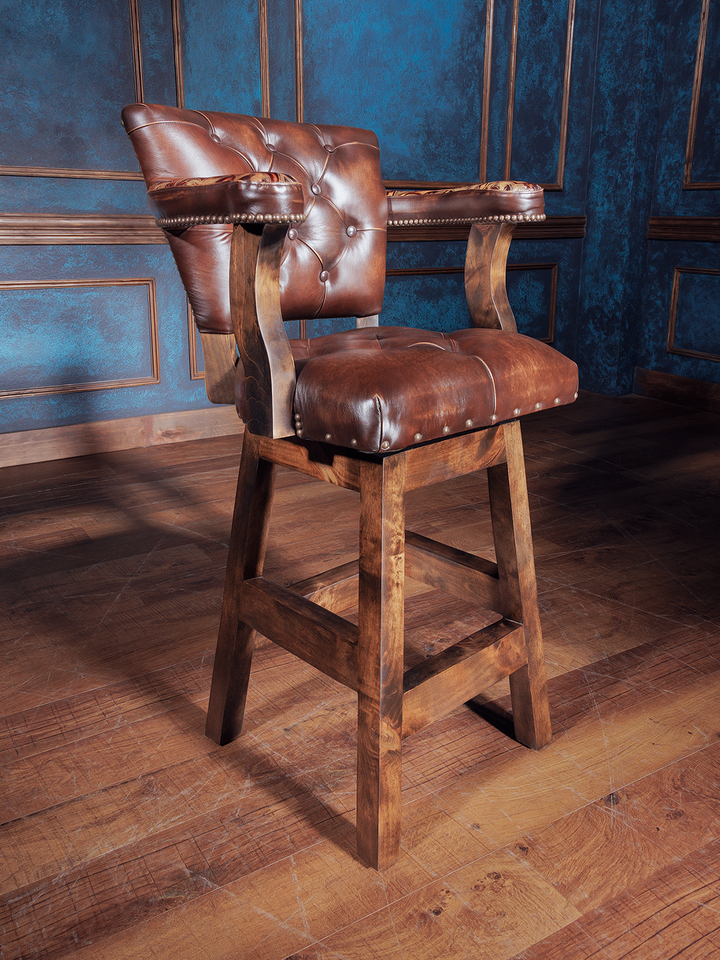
pixel 333 263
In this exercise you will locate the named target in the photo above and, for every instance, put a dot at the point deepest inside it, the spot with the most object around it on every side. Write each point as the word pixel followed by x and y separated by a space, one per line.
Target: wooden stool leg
pixel 236 640
pixel 513 546
pixel 381 623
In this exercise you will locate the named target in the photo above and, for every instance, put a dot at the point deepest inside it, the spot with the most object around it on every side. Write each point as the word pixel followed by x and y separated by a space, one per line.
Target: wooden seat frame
pixel 369 658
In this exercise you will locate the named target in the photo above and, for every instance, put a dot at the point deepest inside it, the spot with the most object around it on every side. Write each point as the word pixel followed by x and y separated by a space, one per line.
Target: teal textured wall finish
pixel 412 71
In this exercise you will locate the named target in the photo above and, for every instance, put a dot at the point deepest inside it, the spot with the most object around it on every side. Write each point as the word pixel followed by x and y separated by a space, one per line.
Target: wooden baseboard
pixel 77 440
pixel 674 389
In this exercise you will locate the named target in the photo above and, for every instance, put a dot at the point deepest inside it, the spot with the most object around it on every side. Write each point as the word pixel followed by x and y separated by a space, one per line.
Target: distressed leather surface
pixel 234 198
pixel 493 202
pixel 380 389
pixel 333 263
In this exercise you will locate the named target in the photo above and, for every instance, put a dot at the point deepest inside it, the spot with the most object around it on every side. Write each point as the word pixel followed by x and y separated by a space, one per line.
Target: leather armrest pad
pixel 499 200
pixel 251 197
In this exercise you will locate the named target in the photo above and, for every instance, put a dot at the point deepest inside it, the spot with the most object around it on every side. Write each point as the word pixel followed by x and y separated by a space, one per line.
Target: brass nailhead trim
pixel 503 218
pixel 169 222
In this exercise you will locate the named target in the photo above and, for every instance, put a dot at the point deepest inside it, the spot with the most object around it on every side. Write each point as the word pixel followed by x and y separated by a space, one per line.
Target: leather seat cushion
pixel 378 389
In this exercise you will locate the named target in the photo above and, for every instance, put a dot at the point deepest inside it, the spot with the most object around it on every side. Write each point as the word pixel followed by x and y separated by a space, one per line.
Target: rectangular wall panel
pixel 80 343
pixel 412 76
pixel 64 68
pixel 62 336
pixel 694 322
pixel 221 57
pixel 680 330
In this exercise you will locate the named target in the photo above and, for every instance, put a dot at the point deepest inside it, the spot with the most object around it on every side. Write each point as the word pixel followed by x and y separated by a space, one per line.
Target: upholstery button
pixel 516 412
pixel 292 233
pixel 328 436
pixel 315 188
pixel 351 231
pixel 215 137
pixel 384 445
pixel 468 423
pixel 418 437
pixel 324 276
pixel 271 147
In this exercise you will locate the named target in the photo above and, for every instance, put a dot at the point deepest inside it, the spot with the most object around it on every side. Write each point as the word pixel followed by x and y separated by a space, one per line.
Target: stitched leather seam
pixel 358 143
pixel 492 381
pixel 378 406
pixel 154 123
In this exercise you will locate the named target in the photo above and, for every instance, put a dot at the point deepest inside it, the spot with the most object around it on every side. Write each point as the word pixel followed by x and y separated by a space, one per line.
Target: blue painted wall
pixel 413 71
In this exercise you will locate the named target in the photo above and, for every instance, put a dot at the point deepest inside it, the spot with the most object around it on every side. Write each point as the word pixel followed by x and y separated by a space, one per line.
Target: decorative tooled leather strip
pixel 264 176
pixel 504 186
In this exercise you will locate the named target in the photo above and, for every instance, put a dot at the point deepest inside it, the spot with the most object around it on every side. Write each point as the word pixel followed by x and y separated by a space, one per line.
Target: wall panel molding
pixel 178 54
pixel 69 173
pixel 20 229
pixel 672 320
pixel 81 387
pixel 264 54
pixel 136 44
pixel 688 183
pixel 559 182
pixel 692 229
pixel 487 76
pixel 511 88
pixel 299 83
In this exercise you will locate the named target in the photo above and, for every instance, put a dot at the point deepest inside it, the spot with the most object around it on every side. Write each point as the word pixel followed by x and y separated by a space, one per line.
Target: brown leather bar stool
pixel 272 221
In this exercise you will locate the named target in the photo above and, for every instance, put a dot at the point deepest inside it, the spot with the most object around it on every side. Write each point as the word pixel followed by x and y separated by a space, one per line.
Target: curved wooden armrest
pixel 508 201
pixel 248 198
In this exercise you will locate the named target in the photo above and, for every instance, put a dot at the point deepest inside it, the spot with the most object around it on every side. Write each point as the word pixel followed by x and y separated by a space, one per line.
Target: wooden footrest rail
pixel 435 564
pixel 328 642
pixel 443 682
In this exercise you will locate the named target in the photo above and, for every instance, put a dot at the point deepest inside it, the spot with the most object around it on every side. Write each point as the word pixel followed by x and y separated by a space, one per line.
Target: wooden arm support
pixel 263 345
pixel 485 266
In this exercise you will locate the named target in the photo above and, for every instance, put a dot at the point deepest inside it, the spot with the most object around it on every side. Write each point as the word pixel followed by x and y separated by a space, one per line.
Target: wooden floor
pixel 126 834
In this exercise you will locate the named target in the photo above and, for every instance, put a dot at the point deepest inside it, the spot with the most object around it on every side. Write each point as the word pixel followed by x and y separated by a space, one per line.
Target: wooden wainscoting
pixel 82 439
pixel 674 389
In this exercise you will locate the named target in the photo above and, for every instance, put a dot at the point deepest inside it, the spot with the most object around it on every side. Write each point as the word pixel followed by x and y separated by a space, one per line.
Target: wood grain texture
pixel 105 436
pixel 516 568
pixel 381 626
pixel 246 558
pixel 268 366
pixel 126 833
pixel 486 256
pixel 220 361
